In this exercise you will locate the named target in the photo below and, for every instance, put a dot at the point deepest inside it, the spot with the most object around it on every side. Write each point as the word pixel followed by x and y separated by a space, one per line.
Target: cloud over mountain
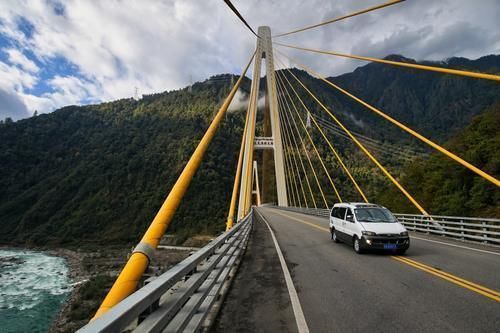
pixel 76 52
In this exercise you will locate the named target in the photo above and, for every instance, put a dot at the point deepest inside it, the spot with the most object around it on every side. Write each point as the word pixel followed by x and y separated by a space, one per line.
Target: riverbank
pixel 81 269
pixel 92 271
pixel 92 274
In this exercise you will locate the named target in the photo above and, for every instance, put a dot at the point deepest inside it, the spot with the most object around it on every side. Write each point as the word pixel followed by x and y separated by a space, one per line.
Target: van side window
pixel 334 212
pixel 341 213
pixel 349 212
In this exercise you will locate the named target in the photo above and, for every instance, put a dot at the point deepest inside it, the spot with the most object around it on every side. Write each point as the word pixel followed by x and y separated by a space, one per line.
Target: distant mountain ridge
pixel 97 174
pixel 438 105
pixel 443 186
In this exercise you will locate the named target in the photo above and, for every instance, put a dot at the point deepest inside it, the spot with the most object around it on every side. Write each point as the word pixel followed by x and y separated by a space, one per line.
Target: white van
pixel 368 226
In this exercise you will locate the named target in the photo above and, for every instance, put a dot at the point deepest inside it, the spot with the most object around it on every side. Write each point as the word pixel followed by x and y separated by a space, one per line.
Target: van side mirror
pixel 350 218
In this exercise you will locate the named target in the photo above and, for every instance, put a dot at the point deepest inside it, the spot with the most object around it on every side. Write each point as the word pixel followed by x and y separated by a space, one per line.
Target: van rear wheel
pixel 334 236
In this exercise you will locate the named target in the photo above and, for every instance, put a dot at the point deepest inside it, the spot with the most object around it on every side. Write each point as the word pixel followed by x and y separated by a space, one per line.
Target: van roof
pixel 355 204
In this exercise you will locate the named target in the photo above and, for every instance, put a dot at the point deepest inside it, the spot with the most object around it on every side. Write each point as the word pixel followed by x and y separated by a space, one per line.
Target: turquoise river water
pixel 33 288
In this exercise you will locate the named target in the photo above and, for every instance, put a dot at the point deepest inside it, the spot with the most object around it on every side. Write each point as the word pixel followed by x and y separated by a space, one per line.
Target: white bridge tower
pixel 264 51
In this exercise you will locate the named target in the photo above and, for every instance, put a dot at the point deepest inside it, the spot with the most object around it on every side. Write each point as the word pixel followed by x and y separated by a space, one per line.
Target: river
pixel 33 288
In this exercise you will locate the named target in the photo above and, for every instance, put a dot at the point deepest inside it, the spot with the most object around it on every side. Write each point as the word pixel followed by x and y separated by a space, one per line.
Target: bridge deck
pixel 258 300
pixel 342 291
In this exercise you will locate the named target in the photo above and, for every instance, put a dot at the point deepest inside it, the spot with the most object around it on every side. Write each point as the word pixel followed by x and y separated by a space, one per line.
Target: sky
pixel 74 52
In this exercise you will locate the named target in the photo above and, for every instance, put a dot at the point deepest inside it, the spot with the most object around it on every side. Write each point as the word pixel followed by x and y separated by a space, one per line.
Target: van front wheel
pixel 356 244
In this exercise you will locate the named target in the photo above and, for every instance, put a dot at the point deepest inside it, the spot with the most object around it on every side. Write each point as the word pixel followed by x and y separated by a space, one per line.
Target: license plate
pixel 389 246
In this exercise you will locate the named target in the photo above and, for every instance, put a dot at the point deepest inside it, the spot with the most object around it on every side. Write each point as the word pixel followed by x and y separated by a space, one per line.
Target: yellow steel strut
pixel 127 281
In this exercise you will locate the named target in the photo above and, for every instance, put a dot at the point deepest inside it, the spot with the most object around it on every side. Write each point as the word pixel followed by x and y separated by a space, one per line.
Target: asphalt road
pixel 340 291
pixel 258 300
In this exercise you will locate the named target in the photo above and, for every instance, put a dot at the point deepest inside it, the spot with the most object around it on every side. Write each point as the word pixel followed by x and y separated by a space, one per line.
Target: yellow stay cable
pixel 290 147
pixel 245 177
pixel 291 195
pixel 360 145
pixel 247 202
pixel 310 138
pixel 401 64
pixel 297 150
pixel 291 175
pixel 404 127
pixel 303 146
pixel 390 3
pixel 332 148
pixel 280 82
pixel 291 172
pixel 295 171
pixel 232 205
pixel 129 277
pixel 289 182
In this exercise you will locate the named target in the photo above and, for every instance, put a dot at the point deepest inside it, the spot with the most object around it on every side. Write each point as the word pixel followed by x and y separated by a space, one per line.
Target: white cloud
pixel 158 45
pixel 71 90
pixel 15 79
pixel 68 90
pixel 240 101
pixel 18 58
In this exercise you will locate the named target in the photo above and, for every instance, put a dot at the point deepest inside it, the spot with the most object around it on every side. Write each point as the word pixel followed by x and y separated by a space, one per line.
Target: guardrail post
pixel 485 235
pixel 154 305
pixel 462 229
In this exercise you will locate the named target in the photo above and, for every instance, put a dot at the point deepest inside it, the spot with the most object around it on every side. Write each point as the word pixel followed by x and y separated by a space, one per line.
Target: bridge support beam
pixel 264 50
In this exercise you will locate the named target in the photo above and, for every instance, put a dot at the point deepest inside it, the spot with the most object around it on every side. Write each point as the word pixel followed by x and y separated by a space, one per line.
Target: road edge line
pixel 292 292
pixel 456 245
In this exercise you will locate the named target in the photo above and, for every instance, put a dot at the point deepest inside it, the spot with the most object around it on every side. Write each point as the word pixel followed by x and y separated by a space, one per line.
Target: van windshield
pixel 374 214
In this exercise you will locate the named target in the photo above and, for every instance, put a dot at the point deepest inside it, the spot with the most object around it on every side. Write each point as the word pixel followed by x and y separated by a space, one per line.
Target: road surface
pixel 440 285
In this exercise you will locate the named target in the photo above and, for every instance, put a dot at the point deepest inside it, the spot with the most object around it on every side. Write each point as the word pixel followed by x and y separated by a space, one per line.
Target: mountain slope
pixel 98 173
pixel 435 104
pixel 446 188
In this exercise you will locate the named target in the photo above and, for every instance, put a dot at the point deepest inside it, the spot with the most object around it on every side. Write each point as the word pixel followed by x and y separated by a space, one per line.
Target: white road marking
pixel 294 298
pixel 460 246
pixel 413 237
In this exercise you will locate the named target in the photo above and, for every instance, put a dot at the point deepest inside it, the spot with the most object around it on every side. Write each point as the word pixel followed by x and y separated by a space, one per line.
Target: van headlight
pixel 404 233
pixel 368 233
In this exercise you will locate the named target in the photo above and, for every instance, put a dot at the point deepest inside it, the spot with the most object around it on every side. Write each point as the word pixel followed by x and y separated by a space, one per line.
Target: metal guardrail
pixel 180 299
pixel 310 211
pixel 484 230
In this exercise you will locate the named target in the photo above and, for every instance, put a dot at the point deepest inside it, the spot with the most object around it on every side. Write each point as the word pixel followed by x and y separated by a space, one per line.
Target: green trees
pixel 446 188
pixel 98 174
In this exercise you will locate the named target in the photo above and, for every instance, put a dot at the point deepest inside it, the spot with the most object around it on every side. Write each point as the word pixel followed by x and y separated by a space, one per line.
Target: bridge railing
pixel 484 230
pixel 180 299
pixel 310 211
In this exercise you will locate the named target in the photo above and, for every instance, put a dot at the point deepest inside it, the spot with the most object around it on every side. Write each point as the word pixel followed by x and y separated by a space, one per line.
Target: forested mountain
pixel 443 186
pixel 98 173
pixel 435 104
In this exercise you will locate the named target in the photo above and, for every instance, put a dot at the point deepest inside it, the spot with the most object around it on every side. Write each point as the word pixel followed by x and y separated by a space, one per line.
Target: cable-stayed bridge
pixel 276 268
